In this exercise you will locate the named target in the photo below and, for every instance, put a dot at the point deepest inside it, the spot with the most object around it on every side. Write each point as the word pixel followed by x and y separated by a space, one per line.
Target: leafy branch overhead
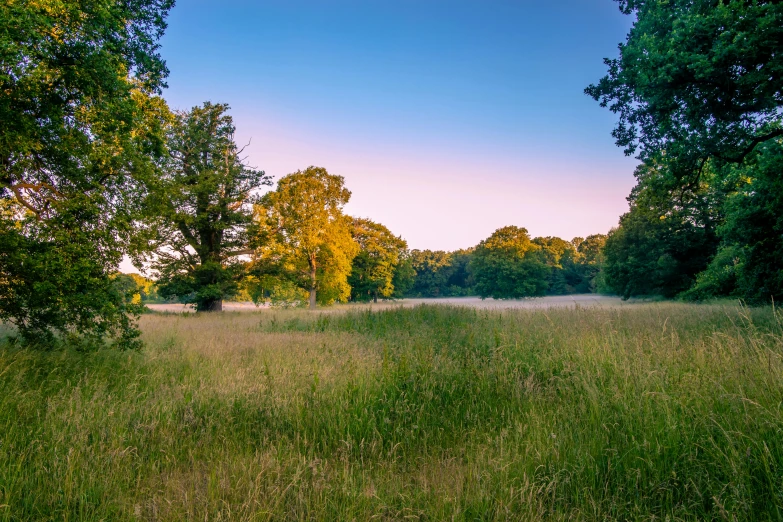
pixel 696 79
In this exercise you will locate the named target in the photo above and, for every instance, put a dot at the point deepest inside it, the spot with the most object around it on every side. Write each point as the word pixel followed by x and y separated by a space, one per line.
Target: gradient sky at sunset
pixel 448 120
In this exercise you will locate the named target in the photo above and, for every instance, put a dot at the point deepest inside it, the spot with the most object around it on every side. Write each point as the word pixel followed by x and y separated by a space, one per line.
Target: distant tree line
pixel 508 264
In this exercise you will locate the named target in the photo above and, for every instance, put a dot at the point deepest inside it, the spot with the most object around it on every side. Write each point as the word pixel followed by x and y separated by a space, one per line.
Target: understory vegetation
pixel 643 411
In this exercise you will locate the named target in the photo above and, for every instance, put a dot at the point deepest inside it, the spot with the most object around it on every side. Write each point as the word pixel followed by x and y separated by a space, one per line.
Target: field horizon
pixel 549 301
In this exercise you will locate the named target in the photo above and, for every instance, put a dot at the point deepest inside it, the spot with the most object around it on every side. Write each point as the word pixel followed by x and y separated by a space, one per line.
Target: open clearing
pixel 558 301
pixel 641 411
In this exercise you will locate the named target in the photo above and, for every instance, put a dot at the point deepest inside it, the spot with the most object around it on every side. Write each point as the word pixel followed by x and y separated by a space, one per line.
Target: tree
pixel 432 269
pixel 460 278
pixel 556 253
pixel 201 205
pixel 373 268
pixel 698 88
pixel 404 276
pixel 147 288
pixel 51 283
pixel 79 133
pixel 668 236
pixel 749 262
pixel 753 225
pixel 127 286
pixel 304 236
pixel 508 265
pixel 590 259
pixel 697 80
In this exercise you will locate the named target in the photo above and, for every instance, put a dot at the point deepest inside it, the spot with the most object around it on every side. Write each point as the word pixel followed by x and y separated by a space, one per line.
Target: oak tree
pixel 80 131
pixel 305 237
pixel 202 207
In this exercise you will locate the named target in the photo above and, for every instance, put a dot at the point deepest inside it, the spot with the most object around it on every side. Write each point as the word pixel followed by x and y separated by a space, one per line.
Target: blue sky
pixel 448 120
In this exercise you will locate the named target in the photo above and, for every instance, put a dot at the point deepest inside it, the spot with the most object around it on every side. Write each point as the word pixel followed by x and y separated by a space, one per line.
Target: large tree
pixel 697 79
pixel 432 269
pixel 749 262
pixel 373 268
pixel 698 87
pixel 305 237
pixel 79 134
pixel 202 206
pixel 508 265
pixel 668 236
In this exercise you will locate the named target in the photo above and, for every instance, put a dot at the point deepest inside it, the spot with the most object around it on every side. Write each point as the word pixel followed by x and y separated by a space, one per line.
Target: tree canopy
pixel 696 79
pixel 304 236
pixel 508 265
pixel 373 268
pixel 202 206
pixel 80 133
pixel 698 88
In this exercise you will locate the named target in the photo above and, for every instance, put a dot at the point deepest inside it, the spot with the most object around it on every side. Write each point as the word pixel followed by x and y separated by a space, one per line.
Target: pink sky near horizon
pixel 456 201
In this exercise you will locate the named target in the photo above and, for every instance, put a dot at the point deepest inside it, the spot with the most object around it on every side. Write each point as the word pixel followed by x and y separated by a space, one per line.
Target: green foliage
pixel 508 265
pixel 718 237
pixel 127 287
pixel 572 267
pixel 557 253
pixel 667 238
pixel 696 80
pixel 201 205
pixel 698 90
pixel 719 279
pixel 754 225
pixel 749 263
pixel 304 237
pixel 404 276
pixel 277 292
pixel 583 267
pixel 373 268
pixel 80 127
pixel 432 273
pixel 54 286
pixel 460 278
pixel 440 274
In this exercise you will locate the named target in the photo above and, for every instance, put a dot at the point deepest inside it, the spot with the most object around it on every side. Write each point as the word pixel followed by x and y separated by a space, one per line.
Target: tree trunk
pixel 312 288
pixel 313 281
pixel 211 306
pixel 375 297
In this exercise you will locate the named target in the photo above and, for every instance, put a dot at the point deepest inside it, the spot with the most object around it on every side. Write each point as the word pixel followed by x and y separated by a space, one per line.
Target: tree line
pixel 94 165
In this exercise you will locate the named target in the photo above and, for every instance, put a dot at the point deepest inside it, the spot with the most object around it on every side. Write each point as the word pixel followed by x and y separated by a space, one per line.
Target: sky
pixel 448 120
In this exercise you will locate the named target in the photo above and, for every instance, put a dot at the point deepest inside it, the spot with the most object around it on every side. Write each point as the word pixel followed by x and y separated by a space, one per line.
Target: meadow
pixel 657 411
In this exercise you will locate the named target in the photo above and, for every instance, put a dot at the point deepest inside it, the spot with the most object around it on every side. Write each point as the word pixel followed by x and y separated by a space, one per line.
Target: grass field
pixel 652 411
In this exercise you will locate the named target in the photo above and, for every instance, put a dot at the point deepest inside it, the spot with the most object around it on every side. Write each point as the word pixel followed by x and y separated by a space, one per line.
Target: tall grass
pixel 653 411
